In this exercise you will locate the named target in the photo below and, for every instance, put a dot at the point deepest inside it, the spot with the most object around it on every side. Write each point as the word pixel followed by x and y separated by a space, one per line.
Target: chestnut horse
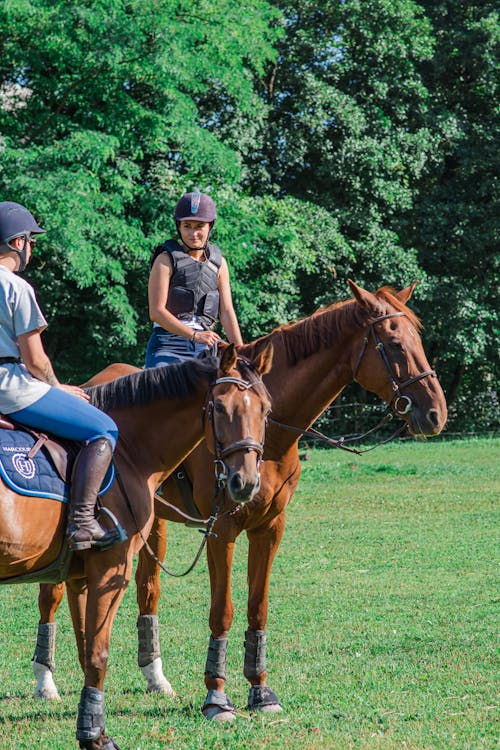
pixel 162 414
pixel 374 340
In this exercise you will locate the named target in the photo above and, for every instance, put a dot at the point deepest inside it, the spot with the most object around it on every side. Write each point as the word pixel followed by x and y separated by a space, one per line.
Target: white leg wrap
pixel 155 679
pixel 45 686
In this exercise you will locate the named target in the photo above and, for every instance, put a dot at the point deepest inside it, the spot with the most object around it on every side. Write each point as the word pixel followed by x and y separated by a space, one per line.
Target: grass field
pixel 381 632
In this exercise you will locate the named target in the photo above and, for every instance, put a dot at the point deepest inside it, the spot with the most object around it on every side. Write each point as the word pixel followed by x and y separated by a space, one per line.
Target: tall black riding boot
pixel 89 471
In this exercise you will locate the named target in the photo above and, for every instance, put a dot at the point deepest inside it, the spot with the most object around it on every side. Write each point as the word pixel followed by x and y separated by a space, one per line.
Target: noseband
pixel 246 444
pixel 400 403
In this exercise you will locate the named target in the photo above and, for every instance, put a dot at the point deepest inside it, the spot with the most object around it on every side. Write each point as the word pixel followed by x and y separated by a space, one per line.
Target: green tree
pixel 455 220
pixel 383 113
pixel 102 126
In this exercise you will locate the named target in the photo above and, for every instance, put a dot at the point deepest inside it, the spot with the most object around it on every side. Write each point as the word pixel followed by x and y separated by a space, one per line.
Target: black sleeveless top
pixel 193 286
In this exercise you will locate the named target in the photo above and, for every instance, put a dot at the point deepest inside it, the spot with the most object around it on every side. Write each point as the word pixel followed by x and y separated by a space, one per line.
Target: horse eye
pixel 219 407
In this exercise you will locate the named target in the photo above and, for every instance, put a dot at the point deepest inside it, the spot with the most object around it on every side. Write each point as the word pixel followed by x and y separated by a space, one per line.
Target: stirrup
pixel 110 537
pixel 105 542
pixel 119 530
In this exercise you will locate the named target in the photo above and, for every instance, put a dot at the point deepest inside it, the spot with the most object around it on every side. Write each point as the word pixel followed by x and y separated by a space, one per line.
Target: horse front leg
pixel 148 588
pixel 217 704
pixel 77 603
pixel 43 663
pixel 263 545
pixel 108 574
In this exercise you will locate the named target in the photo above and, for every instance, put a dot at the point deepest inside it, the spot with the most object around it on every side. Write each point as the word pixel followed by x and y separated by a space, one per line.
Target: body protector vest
pixel 193 286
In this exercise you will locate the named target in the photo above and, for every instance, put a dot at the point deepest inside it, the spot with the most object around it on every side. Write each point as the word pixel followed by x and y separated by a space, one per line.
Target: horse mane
pixel 322 329
pixel 146 386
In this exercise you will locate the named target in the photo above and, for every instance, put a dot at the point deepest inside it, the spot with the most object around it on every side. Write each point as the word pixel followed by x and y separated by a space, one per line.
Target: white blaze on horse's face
pixel 240 409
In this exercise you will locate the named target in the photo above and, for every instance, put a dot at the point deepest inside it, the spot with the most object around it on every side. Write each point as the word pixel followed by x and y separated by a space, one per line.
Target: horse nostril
pixel 236 483
pixel 433 417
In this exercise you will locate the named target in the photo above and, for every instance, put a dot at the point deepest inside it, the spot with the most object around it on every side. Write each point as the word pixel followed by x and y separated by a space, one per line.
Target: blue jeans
pixel 67 416
pixel 164 348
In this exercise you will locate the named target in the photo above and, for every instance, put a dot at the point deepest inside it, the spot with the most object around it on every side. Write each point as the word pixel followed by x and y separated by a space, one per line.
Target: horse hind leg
pixel 147 579
pixel 43 662
pixel 148 655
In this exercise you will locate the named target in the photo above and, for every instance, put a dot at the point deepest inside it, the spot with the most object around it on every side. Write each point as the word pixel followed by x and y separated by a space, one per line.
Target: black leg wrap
pixel 260 696
pixel 216 657
pixel 148 630
pixel 45 648
pixel 255 653
pixel 91 717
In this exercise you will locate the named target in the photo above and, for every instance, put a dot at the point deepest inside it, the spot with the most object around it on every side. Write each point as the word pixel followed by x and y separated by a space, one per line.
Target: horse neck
pixel 302 389
pixel 156 437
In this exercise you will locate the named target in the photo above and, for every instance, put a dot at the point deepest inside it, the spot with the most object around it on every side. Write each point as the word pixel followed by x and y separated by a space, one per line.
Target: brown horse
pixel 373 339
pixel 162 415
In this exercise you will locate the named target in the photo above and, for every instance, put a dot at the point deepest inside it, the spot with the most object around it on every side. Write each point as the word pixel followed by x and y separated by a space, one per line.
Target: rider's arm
pixel 226 310
pixel 39 365
pixel 35 359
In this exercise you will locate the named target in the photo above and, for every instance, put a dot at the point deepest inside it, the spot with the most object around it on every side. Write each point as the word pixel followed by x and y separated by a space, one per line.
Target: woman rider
pixel 31 394
pixel 189 288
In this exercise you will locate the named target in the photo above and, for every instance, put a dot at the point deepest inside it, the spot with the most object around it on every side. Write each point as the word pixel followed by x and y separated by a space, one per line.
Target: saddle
pixel 55 458
pixel 39 465
pixel 62 452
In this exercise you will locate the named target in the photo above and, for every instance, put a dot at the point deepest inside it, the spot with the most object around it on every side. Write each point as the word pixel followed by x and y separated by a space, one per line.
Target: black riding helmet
pixel 195 206
pixel 16 221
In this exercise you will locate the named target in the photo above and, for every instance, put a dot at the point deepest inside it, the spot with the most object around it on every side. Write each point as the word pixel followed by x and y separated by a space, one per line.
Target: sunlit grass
pixel 381 631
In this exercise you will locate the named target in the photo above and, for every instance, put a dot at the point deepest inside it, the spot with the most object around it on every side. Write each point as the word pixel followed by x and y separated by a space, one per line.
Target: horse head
pixel 236 413
pixel 390 360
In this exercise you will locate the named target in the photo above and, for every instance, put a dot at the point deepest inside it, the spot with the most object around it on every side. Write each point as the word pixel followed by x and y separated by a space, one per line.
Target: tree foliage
pixel 385 113
pixel 354 138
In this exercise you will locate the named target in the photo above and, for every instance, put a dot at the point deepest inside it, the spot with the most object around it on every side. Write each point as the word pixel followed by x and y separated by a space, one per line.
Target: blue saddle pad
pixel 37 476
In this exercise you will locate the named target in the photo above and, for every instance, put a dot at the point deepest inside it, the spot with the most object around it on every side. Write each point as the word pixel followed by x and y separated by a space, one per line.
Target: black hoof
pixel 102 743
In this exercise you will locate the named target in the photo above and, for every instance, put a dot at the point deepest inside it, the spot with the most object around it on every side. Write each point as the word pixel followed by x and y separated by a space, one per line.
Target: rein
pixel 247 443
pixel 340 443
pixel 397 387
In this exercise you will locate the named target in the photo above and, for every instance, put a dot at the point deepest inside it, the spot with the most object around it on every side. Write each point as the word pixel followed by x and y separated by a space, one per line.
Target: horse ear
pixel 405 294
pixel 365 299
pixel 263 362
pixel 228 359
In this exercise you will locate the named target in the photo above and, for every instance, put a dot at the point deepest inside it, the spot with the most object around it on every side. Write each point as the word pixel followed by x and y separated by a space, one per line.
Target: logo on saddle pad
pixel 35 475
pixel 23 465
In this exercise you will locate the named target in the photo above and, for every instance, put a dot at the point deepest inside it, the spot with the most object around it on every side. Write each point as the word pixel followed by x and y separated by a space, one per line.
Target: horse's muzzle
pixel 241 489
pixel 426 424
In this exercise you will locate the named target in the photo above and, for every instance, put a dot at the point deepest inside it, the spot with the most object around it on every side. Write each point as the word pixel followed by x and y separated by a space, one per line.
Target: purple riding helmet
pixel 197 207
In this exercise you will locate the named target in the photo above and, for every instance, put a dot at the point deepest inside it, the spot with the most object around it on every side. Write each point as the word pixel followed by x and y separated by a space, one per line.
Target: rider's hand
pixel 209 338
pixel 75 390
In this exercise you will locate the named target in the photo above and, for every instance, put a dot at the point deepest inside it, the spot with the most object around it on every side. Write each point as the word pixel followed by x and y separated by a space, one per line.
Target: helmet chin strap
pixel 194 249
pixel 23 254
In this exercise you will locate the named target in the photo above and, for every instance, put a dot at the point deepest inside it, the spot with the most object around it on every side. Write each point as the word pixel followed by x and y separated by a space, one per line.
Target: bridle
pixel 401 404
pixel 221 475
pixel 246 444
